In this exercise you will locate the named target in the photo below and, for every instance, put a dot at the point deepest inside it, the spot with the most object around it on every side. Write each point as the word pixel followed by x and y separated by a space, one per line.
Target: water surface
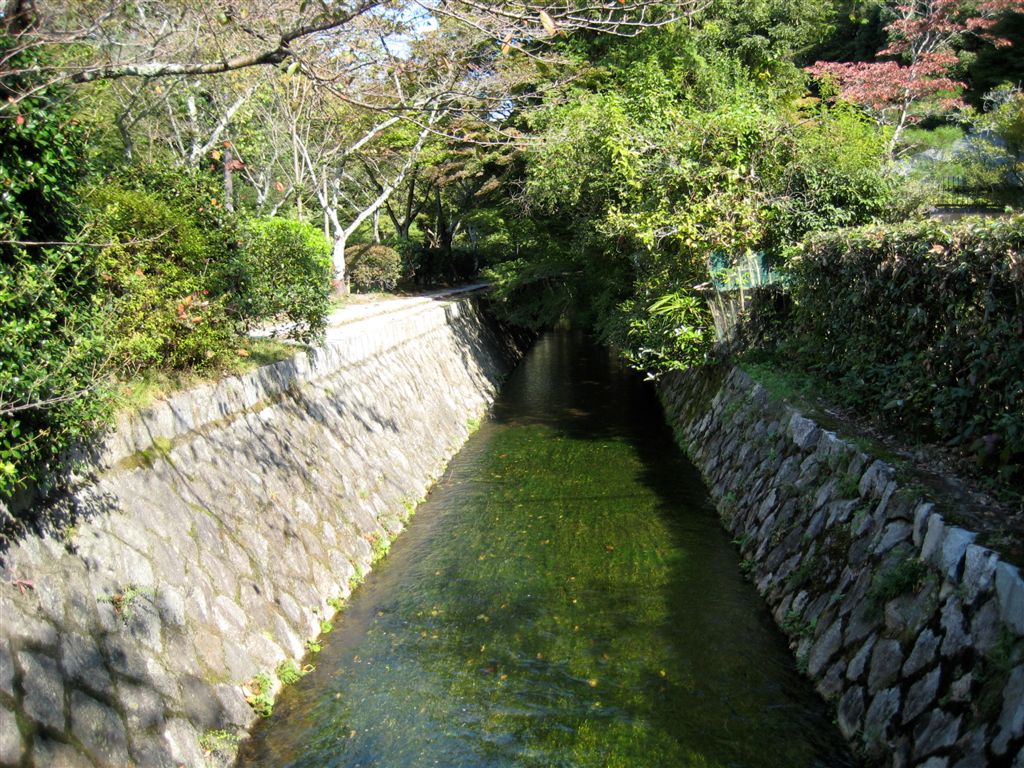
pixel 565 597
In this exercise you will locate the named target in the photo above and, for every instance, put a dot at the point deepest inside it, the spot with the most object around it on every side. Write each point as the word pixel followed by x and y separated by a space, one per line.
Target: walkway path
pixel 340 323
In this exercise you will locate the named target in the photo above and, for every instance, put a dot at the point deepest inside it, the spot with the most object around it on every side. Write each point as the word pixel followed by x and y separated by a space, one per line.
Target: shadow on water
pixel 565 597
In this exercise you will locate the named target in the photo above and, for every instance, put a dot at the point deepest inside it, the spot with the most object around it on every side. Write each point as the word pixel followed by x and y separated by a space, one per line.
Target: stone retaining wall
pixel 218 529
pixel 908 628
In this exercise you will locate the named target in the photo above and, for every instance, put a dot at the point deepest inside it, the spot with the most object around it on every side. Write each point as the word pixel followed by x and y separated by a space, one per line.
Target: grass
pixel 289 672
pixel 147 388
pixel 905 576
pixel 261 696
pixel 124 602
pixel 380 545
pixel 218 741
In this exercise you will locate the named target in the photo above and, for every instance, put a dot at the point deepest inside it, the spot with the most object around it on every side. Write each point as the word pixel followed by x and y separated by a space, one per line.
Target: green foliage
pixel 674 332
pixel 373 267
pixel 162 272
pixel 680 152
pixel 289 672
pixel 380 545
pixel 834 173
pixel 906 576
pixel 283 273
pixel 219 741
pixel 922 324
pixel 124 602
pixel 261 694
pixel 51 343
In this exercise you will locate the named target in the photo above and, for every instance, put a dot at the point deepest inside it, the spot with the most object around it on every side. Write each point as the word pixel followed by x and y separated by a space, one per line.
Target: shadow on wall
pixel 169 580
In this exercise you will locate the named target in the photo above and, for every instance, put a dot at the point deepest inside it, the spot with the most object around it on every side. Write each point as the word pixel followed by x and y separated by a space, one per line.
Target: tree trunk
pixel 338 259
pixel 229 180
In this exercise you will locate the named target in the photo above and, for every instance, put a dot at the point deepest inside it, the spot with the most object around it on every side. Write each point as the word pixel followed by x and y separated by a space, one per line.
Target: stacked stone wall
pixel 910 629
pixel 217 530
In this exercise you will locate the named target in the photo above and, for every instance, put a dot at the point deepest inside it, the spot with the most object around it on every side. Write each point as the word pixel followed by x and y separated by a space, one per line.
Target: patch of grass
pixel 313 646
pixel 804 573
pixel 337 603
pixel 795 626
pixel 995 669
pixel 289 672
pixel 218 740
pixel 783 383
pixel 408 509
pixel 473 423
pixel 905 576
pixel 380 545
pixel 326 626
pixel 730 410
pixel 147 388
pixel 124 602
pixel 261 694
pixel 742 540
pixel 849 487
pixel 356 578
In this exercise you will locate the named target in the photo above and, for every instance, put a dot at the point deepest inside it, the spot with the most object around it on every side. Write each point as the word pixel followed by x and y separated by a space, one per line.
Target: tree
pixel 916 81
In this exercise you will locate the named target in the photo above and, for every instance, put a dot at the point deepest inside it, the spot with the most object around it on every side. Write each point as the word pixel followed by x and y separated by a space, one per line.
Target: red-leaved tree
pixel 914 81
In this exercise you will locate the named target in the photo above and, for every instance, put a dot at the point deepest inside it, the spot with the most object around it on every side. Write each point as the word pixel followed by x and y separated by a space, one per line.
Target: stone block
pixel 1011 719
pixel 955 637
pixel 6 669
pixel 939 730
pixel 886 661
pixel 875 479
pixel 143 707
pixel 954 547
pixel 183 743
pixel 825 648
pixel 859 662
pixel 1010 591
pixel 99 729
pixel 803 432
pixel 82 662
pixel 921 696
pixel 11 744
pixel 44 690
pixel 922 518
pixel 894 533
pixel 851 712
pixel 56 754
pixel 880 718
pixel 931 546
pixel 979 571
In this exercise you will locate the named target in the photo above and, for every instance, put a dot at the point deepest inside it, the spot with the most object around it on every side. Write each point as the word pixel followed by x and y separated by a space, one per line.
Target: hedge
pixel 922 324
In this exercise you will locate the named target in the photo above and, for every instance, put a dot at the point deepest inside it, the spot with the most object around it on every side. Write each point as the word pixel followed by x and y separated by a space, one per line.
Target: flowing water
pixel 565 597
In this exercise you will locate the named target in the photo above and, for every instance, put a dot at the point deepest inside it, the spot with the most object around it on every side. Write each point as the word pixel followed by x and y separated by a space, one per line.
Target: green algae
pixel 565 597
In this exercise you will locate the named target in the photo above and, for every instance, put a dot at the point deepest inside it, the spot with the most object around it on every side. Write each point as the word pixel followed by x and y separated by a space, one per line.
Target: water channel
pixel 564 597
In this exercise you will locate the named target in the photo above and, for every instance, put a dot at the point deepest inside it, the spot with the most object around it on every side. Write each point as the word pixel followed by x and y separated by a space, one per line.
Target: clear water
pixel 565 597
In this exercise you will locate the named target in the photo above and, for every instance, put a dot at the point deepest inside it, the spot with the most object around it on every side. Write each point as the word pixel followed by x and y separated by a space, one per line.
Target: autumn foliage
pixel 914 80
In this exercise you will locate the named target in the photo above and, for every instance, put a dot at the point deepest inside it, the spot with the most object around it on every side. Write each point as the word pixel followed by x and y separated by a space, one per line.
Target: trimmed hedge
pixel 922 324
pixel 374 267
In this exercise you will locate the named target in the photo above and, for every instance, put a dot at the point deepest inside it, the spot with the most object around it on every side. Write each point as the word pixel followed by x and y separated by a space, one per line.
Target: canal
pixel 564 597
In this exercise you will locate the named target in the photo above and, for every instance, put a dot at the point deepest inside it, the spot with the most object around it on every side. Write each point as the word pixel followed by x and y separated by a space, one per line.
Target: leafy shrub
pixel 163 273
pixel 374 267
pixel 923 324
pixel 834 174
pixel 51 348
pixel 196 193
pixel 284 272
